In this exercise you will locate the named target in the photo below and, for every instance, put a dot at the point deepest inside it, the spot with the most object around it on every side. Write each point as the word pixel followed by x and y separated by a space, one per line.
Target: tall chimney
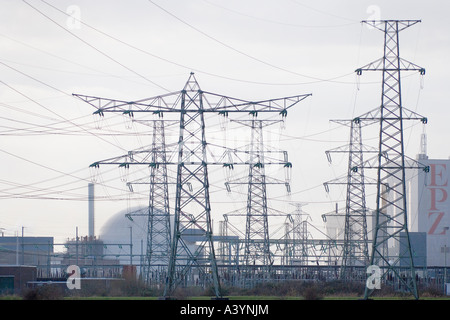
pixel 423 147
pixel 91 210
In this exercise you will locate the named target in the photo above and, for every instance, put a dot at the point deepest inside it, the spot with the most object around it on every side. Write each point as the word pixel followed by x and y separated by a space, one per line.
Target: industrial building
pixel 429 207
pixel 24 250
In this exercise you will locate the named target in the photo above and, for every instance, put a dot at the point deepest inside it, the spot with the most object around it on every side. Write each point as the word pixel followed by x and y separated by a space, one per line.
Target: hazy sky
pixel 252 49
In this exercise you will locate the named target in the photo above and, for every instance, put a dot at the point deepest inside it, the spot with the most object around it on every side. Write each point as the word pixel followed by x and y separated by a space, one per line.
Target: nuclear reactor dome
pixel 126 227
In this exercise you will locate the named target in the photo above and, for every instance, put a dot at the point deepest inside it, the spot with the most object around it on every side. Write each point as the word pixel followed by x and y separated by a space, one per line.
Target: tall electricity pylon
pixel 158 213
pixel 391 217
pixel 299 235
pixel 159 231
pixel 192 210
pixel 257 252
pixel 355 247
pixel 257 243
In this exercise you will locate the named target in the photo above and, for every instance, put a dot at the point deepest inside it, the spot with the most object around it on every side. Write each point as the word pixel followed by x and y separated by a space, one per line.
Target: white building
pixel 429 207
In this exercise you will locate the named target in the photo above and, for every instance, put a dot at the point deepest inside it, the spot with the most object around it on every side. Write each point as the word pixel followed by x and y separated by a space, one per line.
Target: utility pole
pixel 76 245
pixel 23 247
pixel 131 245
pixel 391 216
pixel 192 210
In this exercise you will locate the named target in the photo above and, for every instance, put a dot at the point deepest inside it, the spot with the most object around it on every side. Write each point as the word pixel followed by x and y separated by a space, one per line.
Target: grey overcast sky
pixel 251 49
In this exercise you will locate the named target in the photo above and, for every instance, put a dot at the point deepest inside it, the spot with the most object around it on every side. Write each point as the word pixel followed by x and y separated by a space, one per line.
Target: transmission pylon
pixel 391 225
pixel 355 247
pixel 257 224
pixel 159 231
pixel 257 257
pixel 158 214
pixel 300 235
pixel 257 242
pixel 192 246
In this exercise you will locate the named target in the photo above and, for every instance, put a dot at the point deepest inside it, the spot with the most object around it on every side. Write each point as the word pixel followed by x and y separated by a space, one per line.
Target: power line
pixel 102 73
pixel 243 53
pixel 51 111
pixel 94 48
pixel 203 71
pixel 278 22
pixel 324 12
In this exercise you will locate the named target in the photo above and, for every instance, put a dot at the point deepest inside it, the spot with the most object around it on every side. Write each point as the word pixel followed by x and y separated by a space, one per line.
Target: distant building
pixel 14 278
pixel 429 208
pixel 26 250
pixel 88 253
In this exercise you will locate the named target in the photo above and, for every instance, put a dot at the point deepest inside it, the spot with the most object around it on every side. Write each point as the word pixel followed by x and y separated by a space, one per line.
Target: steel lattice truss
pixel 299 254
pixel 257 246
pixel 159 231
pixel 355 248
pixel 158 213
pixel 192 210
pixel 257 225
pixel 391 216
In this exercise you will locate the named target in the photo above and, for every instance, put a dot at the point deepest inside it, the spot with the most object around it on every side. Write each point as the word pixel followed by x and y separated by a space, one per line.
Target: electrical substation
pixel 186 245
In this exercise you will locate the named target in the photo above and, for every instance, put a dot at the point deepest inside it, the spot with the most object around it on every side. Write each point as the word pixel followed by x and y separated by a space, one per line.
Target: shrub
pixel 44 292
pixel 312 292
pixel 432 291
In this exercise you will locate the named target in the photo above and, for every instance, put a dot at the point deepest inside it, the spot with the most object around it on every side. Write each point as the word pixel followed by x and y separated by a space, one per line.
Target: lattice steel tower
pixel 299 235
pixel 391 217
pixel 257 245
pixel 158 212
pixel 355 247
pixel 257 253
pixel 192 209
pixel 159 230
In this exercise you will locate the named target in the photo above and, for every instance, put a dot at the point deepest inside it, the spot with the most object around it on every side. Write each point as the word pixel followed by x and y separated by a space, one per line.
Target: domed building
pixel 124 236
pixel 126 227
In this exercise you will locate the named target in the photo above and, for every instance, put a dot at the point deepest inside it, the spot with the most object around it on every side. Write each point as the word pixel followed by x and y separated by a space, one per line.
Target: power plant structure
pixel 401 231
pixel 192 209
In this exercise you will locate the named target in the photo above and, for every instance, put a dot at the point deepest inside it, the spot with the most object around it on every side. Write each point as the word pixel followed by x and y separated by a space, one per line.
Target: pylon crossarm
pixel 380 24
pixel 378 65
pixel 164 104
pixel 349 122
pixel 155 104
pixel 346 149
pixel 410 163
pixel 229 104
pixel 343 180
pixel 230 154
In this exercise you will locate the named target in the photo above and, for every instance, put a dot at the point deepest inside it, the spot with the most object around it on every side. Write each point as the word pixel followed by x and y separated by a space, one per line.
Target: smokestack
pixel 423 147
pixel 91 210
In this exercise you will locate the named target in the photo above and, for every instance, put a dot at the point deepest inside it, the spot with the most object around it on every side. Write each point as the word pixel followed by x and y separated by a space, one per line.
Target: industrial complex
pixel 400 228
